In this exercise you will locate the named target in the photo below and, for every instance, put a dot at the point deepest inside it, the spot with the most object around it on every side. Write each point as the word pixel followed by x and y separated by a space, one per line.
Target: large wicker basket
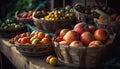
pixel 52 25
pixel 82 57
pixel 35 50
pixel 12 32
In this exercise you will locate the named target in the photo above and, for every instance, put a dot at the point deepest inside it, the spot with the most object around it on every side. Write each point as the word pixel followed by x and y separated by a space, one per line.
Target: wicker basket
pixel 52 25
pixel 111 26
pixel 12 32
pixel 35 50
pixel 82 17
pixel 82 57
pixel 23 20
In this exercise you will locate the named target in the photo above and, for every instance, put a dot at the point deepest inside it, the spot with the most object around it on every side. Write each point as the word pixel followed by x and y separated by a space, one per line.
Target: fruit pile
pixel 57 15
pixel 10 24
pixel 41 13
pixel 35 37
pixel 83 35
pixel 26 14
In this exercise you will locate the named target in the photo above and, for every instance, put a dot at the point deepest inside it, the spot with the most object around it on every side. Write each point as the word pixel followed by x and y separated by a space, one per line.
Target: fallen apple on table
pixel 52 60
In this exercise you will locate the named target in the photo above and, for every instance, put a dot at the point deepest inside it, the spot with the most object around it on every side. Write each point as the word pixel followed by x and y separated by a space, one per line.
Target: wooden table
pixel 24 62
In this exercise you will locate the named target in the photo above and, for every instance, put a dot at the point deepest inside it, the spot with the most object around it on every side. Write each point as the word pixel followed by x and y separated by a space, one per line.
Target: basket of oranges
pixel 80 47
pixel 53 21
pixel 33 44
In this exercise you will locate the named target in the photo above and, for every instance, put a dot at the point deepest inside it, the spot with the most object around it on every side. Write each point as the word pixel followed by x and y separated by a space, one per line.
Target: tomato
pixel 19 40
pixel 25 40
pixel 22 35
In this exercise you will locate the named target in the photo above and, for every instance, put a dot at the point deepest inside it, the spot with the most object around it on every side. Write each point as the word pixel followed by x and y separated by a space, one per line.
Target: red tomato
pixel 22 35
pixel 19 40
pixel 59 39
pixel 25 40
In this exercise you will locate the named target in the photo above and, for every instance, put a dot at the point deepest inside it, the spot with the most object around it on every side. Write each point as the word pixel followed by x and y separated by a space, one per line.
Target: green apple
pixel 53 61
pixel 32 38
pixel 35 41
pixel 32 33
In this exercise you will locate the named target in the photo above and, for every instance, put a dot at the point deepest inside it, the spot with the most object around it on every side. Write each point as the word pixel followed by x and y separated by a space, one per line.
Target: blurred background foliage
pixel 9 7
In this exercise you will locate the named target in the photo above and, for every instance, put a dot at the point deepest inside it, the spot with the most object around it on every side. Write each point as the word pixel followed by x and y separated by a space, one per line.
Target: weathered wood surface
pixel 24 62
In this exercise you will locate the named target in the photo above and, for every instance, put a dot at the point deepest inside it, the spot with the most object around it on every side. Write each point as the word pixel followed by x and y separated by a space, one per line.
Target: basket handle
pixel 55 34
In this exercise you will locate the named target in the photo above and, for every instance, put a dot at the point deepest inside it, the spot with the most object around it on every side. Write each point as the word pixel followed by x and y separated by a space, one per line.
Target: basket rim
pixel 20 18
pixel 13 28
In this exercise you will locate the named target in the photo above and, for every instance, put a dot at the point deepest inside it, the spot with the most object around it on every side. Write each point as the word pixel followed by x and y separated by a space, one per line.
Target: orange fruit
pixel 45 40
pixel 41 35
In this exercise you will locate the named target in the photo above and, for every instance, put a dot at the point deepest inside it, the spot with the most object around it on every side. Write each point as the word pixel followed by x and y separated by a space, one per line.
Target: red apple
pixel 48 36
pixel 48 58
pixel 76 44
pixel 59 39
pixel 86 38
pixel 95 43
pixel 91 28
pixel 63 43
pixel 117 18
pixel 81 27
pixel 63 32
pixel 101 35
pixel 71 36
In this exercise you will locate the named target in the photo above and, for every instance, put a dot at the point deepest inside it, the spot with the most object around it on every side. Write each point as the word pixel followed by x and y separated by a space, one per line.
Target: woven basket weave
pixel 52 25
pixel 111 26
pixel 35 50
pixel 12 32
pixel 23 20
pixel 82 57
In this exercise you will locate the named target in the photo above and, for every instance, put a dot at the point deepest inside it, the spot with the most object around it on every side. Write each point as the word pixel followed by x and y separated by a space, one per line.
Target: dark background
pixel 7 6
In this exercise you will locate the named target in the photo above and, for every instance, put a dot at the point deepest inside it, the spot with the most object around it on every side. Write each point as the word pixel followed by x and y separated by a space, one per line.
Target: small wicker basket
pixel 111 26
pixel 12 32
pixel 82 17
pixel 23 20
pixel 52 25
pixel 35 50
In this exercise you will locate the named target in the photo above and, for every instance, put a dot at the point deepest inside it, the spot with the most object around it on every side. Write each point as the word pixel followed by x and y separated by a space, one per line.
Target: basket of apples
pixel 24 16
pixel 53 21
pixel 36 43
pixel 84 46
